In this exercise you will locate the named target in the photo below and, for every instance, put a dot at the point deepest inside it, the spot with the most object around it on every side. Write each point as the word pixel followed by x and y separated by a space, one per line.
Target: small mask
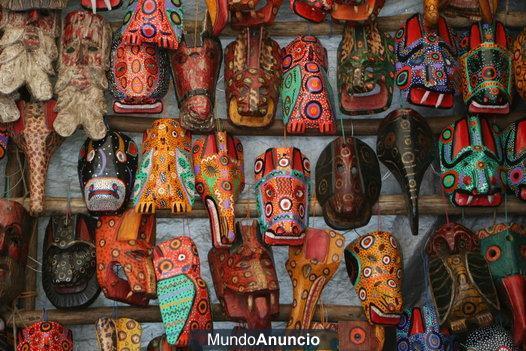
pixel 183 294
pixel 252 78
pixel 475 10
pixel 24 5
pixel 49 336
pixel 470 159
pixel 122 334
pixel 356 10
pixel 360 336
pixel 84 60
pixel 195 70
pixel 245 279
pixel 219 177
pixel 519 63
pixel 282 195
pixel 101 5
pixel 486 70
pixel 426 64
pixel 252 13
pixel 166 178
pixel 492 338
pixel 4 142
pixel 348 183
pixel 306 93
pixel 106 170
pixel 218 15
pixel 69 274
pixel 513 172
pixel 405 146
pixel 126 243
pixel 312 10
pixel 365 70
pixel 374 265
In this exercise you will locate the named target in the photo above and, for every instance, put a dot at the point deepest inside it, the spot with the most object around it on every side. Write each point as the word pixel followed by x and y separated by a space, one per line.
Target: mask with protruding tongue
pixel 513 173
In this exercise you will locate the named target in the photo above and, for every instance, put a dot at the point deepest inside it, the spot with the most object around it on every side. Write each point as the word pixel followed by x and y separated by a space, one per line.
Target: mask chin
pixel 375 99
pixel 251 120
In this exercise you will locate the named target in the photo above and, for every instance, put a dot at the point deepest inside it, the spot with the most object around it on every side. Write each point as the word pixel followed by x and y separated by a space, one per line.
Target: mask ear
pixel 413 30
pixel 443 31
pixel 474 36
pixel 501 38
pixel 461 137
pixel 417 322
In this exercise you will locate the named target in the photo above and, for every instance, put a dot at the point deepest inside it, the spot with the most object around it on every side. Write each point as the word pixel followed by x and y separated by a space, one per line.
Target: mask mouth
pixel 69 288
pixel 353 11
pixel 465 199
pixel 424 97
pixel 104 194
pixel 378 317
pixel 372 100
pixel 144 106
pixel 477 107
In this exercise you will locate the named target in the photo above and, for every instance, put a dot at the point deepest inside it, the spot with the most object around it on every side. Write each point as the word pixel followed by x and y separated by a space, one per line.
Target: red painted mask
pixel 452 238
pixel 101 5
pixel 50 336
pixel 250 13
pixel 356 10
pixel 312 10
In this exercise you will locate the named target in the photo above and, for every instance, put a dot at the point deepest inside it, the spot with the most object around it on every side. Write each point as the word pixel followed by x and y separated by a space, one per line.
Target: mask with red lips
pixel 513 173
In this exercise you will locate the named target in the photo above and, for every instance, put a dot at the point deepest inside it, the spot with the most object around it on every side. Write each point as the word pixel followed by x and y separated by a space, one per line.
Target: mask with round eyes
pixel 475 10
pixel 183 294
pixel 106 170
pixel 513 172
pixel 118 334
pixel 250 13
pixel 356 10
pixel 348 183
pixel 101 5
pixel 282 195
pixel 17 5
pixel 374 265
pixel 470 159
pixel 486 75
pixel 69 269
pixel 492 338
pixel 50 336
pixel 360 336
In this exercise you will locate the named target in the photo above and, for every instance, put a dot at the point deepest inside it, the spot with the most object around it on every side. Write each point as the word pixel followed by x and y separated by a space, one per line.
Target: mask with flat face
pixel 50 336
pixel 492 338
pixel 513 171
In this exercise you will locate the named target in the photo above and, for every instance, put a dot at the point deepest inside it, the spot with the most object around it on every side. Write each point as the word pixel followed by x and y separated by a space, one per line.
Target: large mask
pixel 219 179
pixel 138 77
pixel 426 64
pixel 166 178
pixel 475 10
pixel 183 294
pixel 245 279
pixel 519 63
pixel 348 183
pixel 492 338
pixel 365 70
pixel 470 159
pixel 306 93
pixel 33 134
pixel 486 70
pixel 84 60
pixel 15 233
pixel 69 274
pixel 195 70
pixel 252 78
pixel 49 336
pixel 374 265
pixel 513 171
pixel 122 334
pixel 124 246
pixel 504 248
pixel 405 146
pixel 101 5
pixel 282 195
pixel 310 267
pixel 106 170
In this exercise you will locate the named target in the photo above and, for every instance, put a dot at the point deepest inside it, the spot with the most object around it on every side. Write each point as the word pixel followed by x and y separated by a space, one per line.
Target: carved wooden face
pixel 101 5
pixel 451 238
pixel 250 13
pixel 25 5
pixel 513 171
pixel 49 336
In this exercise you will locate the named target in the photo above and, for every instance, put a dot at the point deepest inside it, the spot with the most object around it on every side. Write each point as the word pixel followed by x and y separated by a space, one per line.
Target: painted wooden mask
pixel 124 247
pixel 519 63
pixel 312 10
pixel 486 70
pixel 348 183
pixel 250 13
pixel 69 272
pixel 219 180
pixel 138 77
pixel 50 336
pixel 166 178
pixel 426 64
pixel 470 158
pixel 365 70
pixel 25 5
pixel 513 171
pixel 492 338
pixel 310 267
pixel 360 336
pixel 245 279
pixel 405 146
pixel 282 195
pixel 101 5
pixel 195 70
pixel 106 170
pixel 475 10
pixel 306 93
pixel 356 10
pixel 252 78
pixel 122 334
pixel 183 294
pixel 15 234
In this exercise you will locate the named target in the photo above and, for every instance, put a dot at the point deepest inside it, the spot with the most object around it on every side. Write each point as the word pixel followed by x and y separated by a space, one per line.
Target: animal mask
pixel 24 5
pixel 125 243
pixel 356 10
pixel 165 179
pixel 365 70
pixel 306 94
pixel 219 177
pixel 374 265
pixel 475 10
pixel 519 63
pixel 106 170
pixel 183 294
pixel 34 135
pixel 252 78
pixel 250 13
pixel 84 60
pixel 101 5
pixel 245 279
pixel 492 338
pixel 282 195
pixel 15 234
pixel 195 70
pixel 470 157
pixel 426 64
pixel 123 334
pixel 312 10
pixel 158 22
pixel 348 183
pixel 360 336
pixel 504 248
pixel 405 146
pixel 513 171
pixel 138 76
pixel 4 142
pixel 69 274
pixel 486 70
pixel 49 336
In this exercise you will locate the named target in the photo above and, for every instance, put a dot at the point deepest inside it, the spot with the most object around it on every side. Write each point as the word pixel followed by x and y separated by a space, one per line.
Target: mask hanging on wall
pixel 101 5
pixel 519 64
pixel 513 171
pixel 25 5
pixel 50 336
pixel 122 334
pixel 348 183
pixel 360 336
pixel 405 146
pixel 282 178
pixel 492 338
pixel 250 13
pixel 356 10
pixel 475 10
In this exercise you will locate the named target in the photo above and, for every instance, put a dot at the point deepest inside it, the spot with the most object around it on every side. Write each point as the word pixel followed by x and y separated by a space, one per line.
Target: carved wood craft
pixel 101 5
pixel 475 10
pixel 122 334
pixel 50 336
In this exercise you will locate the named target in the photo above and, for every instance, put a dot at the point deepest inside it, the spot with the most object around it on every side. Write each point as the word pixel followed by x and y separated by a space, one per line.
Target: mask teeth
pixel 94 6
pixel 108 4
pixel 439 100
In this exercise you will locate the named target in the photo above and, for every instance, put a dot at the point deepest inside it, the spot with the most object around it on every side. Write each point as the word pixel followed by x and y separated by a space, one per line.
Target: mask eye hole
pixel 121 156
pixel 91 156
pixel 492 253
pixel 181 257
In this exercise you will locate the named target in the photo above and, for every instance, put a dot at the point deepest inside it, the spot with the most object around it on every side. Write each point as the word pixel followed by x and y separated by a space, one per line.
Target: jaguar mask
pixel 50 336
pixel 122 334
pixel 513 172
pixel 101 5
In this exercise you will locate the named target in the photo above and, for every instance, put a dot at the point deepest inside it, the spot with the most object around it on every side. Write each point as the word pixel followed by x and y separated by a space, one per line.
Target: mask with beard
pixel 24 5
pixel 84 60
pixel 49 336
pixel 101 5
